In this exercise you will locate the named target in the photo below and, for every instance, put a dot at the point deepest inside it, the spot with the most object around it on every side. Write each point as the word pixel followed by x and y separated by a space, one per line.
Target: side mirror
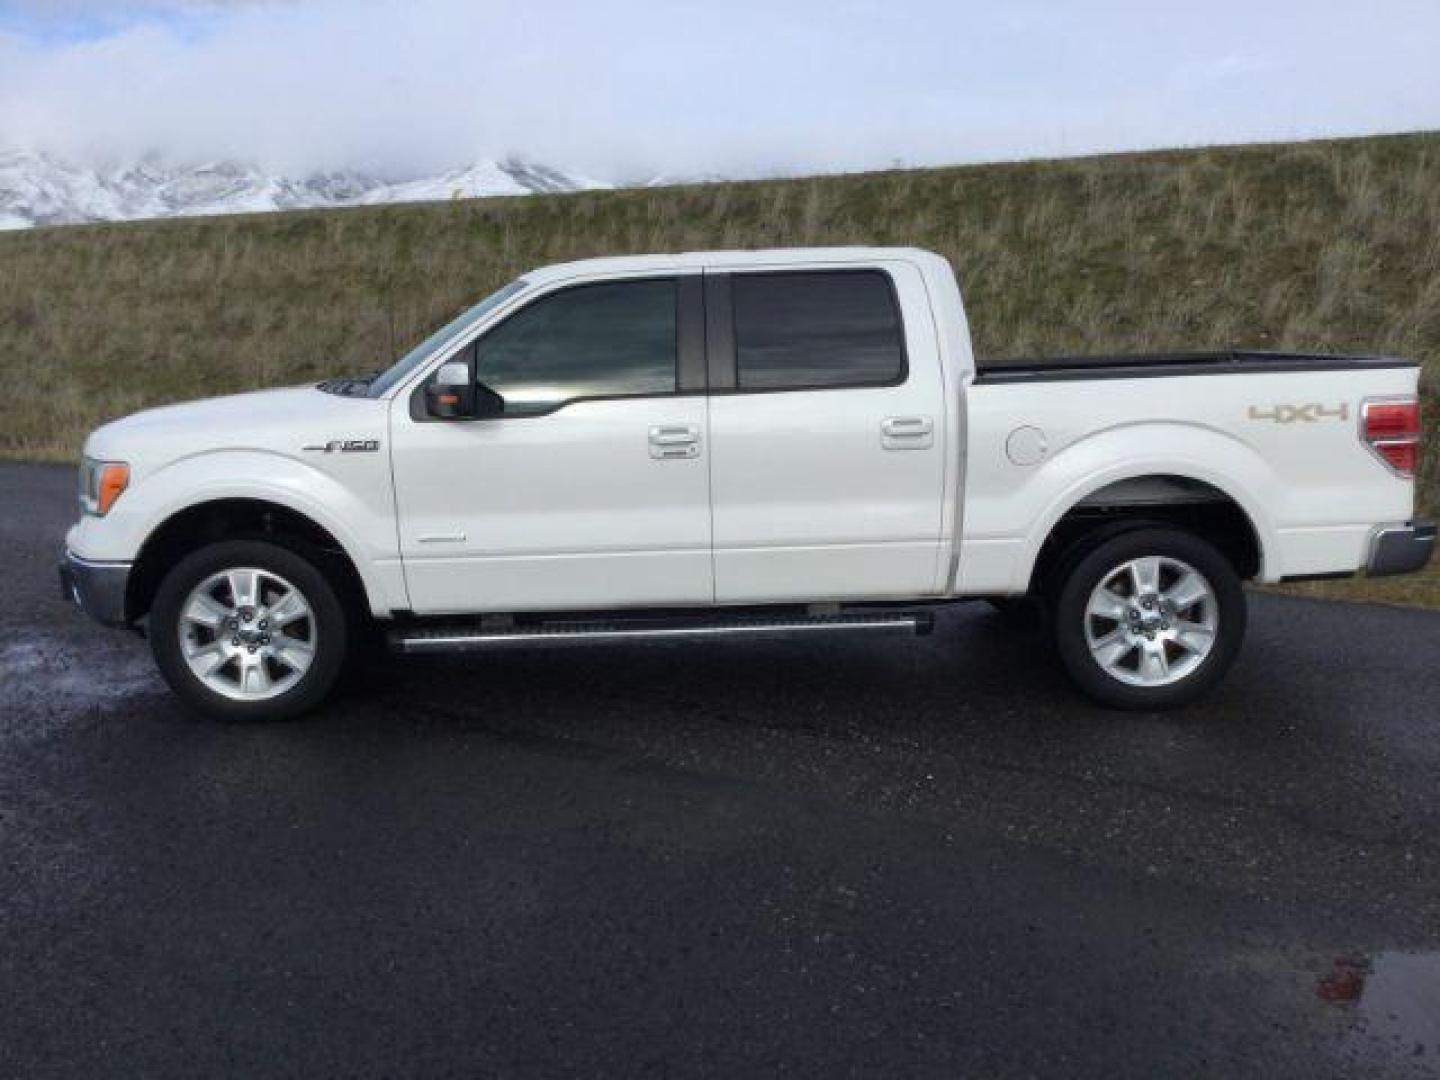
pixel 451 394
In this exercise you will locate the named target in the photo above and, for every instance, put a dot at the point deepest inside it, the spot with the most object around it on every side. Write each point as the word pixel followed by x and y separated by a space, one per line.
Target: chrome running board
pixel 462 637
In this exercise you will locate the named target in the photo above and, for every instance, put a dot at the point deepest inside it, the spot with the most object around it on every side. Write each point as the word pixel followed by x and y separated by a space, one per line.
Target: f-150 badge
pixel 1300 414
pixel 346 446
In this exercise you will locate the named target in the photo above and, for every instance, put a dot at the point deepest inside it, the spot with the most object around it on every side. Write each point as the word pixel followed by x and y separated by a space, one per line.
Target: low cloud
pixel 625 88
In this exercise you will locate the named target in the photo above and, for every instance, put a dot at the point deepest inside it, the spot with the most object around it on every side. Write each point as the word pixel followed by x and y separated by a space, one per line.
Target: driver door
pixel 591 488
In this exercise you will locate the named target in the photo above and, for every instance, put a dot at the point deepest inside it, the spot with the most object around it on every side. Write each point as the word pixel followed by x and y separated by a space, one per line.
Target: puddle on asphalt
pixel 48 671
pixel 1395 997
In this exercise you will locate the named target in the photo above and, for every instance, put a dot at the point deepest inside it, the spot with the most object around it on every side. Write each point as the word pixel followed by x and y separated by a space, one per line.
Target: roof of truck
pixel 687 260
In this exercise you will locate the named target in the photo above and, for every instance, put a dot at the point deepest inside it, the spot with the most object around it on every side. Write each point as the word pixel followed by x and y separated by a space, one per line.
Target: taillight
pixel 1391 428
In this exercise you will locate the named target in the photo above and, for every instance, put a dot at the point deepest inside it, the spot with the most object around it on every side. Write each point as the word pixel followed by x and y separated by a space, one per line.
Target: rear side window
pixel 608 340
pixel 816 329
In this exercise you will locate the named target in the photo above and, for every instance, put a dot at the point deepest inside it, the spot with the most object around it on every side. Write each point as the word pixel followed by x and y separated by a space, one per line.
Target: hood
pixel 280 421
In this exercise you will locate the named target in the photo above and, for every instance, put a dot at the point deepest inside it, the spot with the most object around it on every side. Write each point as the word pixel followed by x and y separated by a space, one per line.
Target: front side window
pixel 608 340
pixel 816 329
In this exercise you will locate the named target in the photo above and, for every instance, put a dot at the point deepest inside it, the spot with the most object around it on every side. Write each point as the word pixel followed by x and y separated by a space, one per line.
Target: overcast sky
pixel 621 88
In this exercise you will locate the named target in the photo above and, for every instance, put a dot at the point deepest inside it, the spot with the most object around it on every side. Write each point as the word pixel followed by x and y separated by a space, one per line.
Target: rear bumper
pixel 1401 549
pixel 96 588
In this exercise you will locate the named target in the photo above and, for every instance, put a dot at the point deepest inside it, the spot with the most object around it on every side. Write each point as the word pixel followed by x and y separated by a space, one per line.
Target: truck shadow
pixel 979 669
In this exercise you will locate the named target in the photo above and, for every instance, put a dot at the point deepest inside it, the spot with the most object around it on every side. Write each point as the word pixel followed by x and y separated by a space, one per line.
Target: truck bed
pixel 1155 365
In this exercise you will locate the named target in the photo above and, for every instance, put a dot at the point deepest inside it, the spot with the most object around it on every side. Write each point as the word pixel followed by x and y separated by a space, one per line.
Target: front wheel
pixel 247 629
pixel 1149 619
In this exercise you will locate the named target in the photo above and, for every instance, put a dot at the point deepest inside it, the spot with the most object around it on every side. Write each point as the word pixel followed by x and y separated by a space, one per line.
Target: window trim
pixel 723 349
pixel 689 354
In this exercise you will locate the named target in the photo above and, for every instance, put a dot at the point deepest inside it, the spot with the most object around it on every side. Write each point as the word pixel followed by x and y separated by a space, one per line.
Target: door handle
pixel 907 432
pixel 674 441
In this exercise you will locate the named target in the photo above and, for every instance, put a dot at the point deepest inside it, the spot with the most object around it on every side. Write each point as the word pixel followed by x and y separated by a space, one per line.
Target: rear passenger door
pixel 826 434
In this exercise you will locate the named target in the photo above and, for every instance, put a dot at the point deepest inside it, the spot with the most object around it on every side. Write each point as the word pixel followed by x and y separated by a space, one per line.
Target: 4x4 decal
pixel 1305 414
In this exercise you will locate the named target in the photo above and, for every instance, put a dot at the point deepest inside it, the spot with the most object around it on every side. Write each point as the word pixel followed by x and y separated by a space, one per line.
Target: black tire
pixel 333 629
pixel 1083 575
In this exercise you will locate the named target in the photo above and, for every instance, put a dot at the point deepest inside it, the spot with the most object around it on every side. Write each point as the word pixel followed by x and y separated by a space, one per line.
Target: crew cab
pixel 759 442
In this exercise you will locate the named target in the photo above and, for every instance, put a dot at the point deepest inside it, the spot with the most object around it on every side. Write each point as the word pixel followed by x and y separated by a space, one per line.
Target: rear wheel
pixel 1149 619
pixel 248 629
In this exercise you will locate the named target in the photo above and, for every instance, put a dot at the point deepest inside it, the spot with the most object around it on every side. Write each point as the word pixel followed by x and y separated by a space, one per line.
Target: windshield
pixel 397 371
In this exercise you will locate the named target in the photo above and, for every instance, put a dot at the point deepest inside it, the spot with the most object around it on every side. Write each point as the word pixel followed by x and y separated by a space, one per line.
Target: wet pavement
pixel 919 857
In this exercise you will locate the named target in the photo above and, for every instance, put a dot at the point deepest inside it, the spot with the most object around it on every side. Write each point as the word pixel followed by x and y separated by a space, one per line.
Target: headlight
pixel 101 483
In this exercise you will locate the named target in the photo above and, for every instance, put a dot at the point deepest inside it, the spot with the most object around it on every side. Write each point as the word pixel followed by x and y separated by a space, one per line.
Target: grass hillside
pixel 1322 245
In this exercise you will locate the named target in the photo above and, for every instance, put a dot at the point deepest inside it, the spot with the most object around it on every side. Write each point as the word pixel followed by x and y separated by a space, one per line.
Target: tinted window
pixel 836 328
pixel 590 341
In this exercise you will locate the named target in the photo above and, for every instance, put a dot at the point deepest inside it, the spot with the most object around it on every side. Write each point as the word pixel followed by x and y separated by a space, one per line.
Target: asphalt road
pixel 877 857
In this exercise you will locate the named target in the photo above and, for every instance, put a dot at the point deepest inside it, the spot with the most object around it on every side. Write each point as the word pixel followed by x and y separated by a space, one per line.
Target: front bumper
pixel 96 588
pixel 1401 549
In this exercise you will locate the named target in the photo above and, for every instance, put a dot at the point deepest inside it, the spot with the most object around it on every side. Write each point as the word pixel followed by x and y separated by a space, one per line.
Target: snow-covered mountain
pixel 673 179
pixel 38 189
pixel 479 180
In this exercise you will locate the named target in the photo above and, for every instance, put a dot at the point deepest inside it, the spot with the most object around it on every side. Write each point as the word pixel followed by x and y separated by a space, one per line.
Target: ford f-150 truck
pixel 738 442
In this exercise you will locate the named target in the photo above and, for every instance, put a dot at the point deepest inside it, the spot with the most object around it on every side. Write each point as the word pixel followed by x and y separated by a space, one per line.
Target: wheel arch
pixel 1206 506
pixel 231 517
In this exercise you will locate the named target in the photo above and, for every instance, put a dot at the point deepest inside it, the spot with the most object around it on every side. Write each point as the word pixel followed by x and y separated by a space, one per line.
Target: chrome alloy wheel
pixel 247 634
pixel 1151 621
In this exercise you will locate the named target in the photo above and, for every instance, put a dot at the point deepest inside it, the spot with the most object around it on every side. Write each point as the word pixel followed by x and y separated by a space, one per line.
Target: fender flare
pixel 1191 452
pixel 265 476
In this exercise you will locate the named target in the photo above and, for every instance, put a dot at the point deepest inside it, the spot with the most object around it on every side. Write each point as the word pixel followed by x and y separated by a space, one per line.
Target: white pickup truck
pixel 738 442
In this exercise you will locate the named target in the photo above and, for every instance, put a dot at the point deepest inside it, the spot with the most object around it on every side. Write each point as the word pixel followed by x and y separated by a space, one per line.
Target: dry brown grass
pixel 1323 246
